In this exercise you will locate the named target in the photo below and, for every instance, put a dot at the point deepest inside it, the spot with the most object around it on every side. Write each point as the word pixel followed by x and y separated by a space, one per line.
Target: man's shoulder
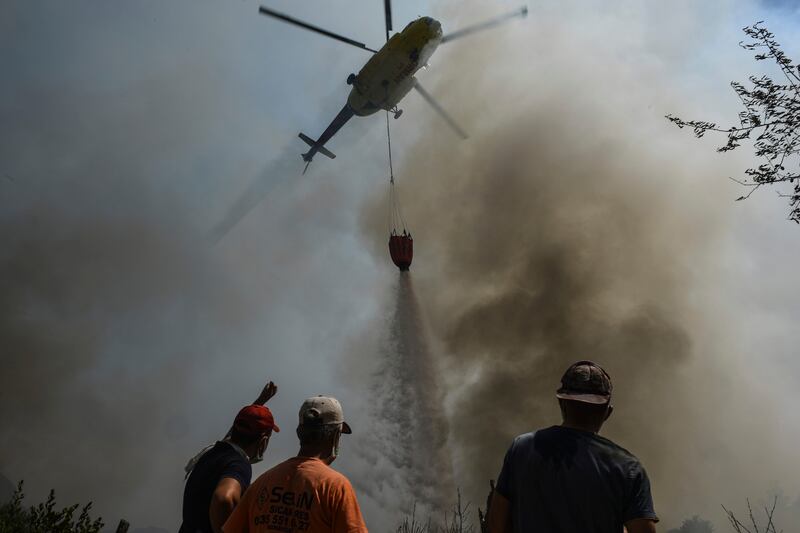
pixel 230 455
pixel 330 475
pixel 618 450
pixel 554 434
pixel 312 468
pixel 280 471
pixel 218 456
pixel 282 468
pixel 225 450
pixel 528 439
pixel 624 460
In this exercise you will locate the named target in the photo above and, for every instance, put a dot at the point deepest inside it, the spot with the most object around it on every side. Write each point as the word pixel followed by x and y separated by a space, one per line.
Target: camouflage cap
pixel 585 381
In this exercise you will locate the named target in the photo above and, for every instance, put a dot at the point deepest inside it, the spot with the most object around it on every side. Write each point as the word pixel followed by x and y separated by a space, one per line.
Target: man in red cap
pixel 567 477
pixel 304 494
pixel 219 475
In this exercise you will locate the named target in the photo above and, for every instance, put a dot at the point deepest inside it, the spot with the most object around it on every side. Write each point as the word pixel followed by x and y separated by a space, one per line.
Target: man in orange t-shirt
pixel 304 494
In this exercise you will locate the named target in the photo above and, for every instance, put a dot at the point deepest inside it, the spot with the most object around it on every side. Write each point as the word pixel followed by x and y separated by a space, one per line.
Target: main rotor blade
pixel 387 8
pixel 439 109
pixel 286 18
pixel 521 12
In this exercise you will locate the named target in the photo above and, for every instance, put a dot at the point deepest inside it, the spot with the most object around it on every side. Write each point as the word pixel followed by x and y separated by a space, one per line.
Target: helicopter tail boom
pixel 319 145
pixel 321 149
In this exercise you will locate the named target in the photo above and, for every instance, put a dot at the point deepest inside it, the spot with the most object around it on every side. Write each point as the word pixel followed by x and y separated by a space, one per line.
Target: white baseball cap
pixel 323 411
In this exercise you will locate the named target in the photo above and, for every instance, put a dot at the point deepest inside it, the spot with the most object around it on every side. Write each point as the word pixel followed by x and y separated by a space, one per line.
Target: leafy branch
pixel 44 517
pixel 770 119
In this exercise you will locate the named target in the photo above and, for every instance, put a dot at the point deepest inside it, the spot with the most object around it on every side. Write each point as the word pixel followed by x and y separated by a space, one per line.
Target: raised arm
pixel 269 390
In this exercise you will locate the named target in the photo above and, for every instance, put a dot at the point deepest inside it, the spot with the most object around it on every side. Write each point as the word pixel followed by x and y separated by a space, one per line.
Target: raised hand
pixel 269 390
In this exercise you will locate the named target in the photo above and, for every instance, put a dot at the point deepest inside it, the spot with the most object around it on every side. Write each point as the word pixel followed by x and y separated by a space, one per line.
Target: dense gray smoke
pixel 278 172
pixel 100 268
pixel 551 255
pixel 574 223
pixel 569 227
pixel 129 341
pixel 6 489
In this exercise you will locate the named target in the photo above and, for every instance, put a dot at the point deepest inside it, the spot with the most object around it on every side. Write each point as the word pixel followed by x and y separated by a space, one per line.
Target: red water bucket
pixel 401 248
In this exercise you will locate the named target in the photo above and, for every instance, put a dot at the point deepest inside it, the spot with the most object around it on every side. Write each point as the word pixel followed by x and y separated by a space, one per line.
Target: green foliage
pixel 770 120
pixel 45 518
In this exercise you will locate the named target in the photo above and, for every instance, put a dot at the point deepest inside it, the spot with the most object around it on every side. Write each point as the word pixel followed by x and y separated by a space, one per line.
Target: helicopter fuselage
pixel 389 74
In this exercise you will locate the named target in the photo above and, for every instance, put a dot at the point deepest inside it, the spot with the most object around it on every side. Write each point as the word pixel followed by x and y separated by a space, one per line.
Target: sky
pixel 132 333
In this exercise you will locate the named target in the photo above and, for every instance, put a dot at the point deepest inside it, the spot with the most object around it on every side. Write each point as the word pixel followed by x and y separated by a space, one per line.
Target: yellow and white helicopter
pixel 389 74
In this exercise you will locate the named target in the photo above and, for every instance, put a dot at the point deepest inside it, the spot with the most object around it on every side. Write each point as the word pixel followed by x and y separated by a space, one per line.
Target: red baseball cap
pixel 255 420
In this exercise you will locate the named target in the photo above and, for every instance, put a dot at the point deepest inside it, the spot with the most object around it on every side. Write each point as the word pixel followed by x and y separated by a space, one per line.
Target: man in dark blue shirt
pixel 567 478
pixel 219 475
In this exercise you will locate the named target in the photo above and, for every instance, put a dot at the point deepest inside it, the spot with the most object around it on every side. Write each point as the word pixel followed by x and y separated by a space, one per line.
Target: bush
pixel 44 518
pixel 694 524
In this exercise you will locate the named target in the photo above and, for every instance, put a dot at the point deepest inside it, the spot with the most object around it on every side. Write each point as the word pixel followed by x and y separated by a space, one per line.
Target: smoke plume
pixel 575 222
pixel 571 226
pixel 109 301
pixel 129 340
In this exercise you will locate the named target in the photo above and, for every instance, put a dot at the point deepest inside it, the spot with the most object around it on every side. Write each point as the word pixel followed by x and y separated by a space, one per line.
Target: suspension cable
pixel 389 139
pixel 395 214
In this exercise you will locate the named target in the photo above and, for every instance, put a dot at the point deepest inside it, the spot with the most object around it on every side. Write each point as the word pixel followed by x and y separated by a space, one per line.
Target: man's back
pixel 221 461
pixel 300 494
pixel 561 479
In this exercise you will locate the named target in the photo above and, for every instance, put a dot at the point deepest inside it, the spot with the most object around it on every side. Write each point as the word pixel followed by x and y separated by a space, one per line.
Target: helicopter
pixel 388 76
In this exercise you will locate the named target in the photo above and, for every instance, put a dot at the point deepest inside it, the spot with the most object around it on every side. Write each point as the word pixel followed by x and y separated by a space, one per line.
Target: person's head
pixel 585 396
pixel 320 426
pixel 252 429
